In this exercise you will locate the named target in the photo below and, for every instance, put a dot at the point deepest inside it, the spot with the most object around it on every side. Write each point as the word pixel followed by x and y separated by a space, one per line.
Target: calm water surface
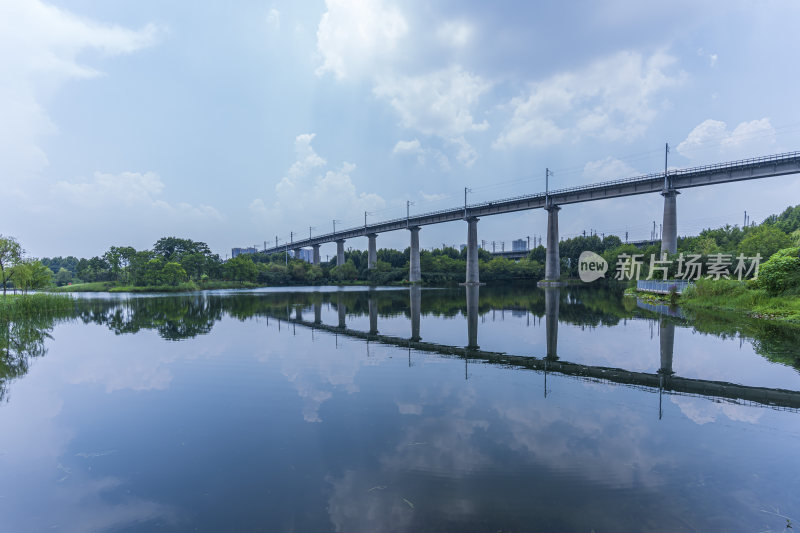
pixel 492 409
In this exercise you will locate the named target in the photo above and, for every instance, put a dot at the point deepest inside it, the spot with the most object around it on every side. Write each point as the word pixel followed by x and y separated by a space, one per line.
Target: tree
pixel 82 269
pixel 727 238
pixel 705 245
pixel 173 273
pixel 10 255
pixel 174 248
pixel 346 271
pixel 151 273
pixel 241 268
pixel 538 254
pixel 195 265
pixel 788 221
pixel 781 272
pixel 63 277
pixel 138 267
pixel 41 276
pixel 764 240
pixel 118 258
pixel 31 275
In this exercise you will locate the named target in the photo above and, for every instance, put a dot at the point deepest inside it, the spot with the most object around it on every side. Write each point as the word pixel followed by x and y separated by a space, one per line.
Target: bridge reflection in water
pixel 664 381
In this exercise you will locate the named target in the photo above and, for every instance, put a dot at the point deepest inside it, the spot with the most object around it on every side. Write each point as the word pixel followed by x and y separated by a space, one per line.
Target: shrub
pixel 781 272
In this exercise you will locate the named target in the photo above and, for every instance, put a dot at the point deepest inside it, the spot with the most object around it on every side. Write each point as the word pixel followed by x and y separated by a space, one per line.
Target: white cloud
pixel 130 208
pixel 711 139
pixel 306 161
pixel 132 190
pixel 701 411
pixel 274 19
pixel 409 408
pixel 423 154
pixel 609 168
pixel 354 34
pixel 611 99
pixel 39 47
pixel 455 33
pixel 362 38
pixel 466 154
pixel 305 189
pixel 435 197
pixel 407 147
pixel 712 58
pixel 440 103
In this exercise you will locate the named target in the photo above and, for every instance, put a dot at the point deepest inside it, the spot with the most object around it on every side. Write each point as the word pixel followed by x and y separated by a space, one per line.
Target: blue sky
pixel 232 123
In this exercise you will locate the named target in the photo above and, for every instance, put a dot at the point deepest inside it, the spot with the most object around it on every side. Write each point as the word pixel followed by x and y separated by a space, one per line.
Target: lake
pixel 497 409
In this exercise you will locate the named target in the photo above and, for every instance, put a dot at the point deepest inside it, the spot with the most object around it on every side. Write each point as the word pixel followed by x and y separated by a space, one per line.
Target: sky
pixel 234 123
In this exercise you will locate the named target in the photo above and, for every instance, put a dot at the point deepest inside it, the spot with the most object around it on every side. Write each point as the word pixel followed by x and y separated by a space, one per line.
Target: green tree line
pixel 174 261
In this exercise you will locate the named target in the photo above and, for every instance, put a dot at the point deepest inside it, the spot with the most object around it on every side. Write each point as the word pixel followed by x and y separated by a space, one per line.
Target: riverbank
pixel 111 286
pixel 191 286
pixel 731 297
pixel 735 296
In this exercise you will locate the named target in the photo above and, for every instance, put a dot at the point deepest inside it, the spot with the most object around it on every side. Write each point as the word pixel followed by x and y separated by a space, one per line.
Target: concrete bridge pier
pixel 552 266
pixel 415 303
pixel 473 300
pixel 373 315
pixel 372 254
pixel 552 295
pixel 414 270
pixel 316 254
pixel 666 342
pixel 296 252
pixel 473 274
pixel 669 228
pixel 339 252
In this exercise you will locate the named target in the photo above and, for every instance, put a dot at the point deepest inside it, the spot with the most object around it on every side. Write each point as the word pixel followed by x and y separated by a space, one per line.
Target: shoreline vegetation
pixel 183 265
pixel 733 298
pixel 19 306
pixel 743 298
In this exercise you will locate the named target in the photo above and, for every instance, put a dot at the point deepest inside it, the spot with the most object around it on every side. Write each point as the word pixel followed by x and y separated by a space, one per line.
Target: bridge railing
pixel 776 158
pixel 662 287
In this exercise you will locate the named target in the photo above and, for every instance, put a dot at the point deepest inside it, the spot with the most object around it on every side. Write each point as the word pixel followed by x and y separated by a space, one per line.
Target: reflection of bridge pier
pixel 317 312
pixel 415 297
pixel 552 295
pixel 342 312
pixel 472 316
pixel 667 343
pixel 298 313
pixel 373 315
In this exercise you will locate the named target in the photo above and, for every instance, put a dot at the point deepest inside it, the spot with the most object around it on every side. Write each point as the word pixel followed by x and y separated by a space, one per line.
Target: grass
pixel 111 286
pixel 97 286
pixel 736 296
pixel 19 306
pixel 188 286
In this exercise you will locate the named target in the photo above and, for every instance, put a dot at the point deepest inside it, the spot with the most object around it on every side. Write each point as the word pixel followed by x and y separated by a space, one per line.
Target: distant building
pixel 305 254
pixel 519 245
pixel 462 247
pixel 238 251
